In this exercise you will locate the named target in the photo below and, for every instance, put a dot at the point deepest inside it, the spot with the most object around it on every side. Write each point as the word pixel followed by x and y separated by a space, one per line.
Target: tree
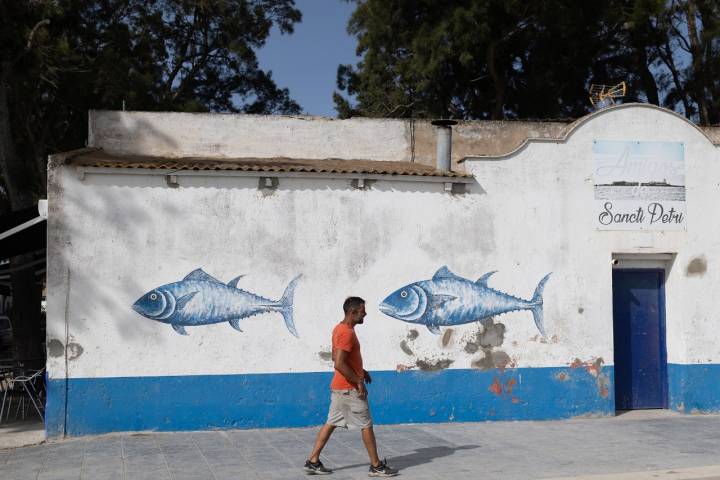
pixel 690 56
pixel 512 59
pixel 60 58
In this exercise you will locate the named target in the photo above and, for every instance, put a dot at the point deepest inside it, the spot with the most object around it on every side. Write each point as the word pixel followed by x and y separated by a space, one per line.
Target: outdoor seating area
pixel 22 392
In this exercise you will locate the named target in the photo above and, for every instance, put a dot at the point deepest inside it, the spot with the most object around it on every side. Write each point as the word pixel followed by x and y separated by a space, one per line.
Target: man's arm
pixel 347 372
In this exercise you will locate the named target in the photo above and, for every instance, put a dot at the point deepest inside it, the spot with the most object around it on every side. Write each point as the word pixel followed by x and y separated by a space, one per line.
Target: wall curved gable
pixel 578 125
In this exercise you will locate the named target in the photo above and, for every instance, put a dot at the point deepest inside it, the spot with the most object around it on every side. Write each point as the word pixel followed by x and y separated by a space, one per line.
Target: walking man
pixel 348 402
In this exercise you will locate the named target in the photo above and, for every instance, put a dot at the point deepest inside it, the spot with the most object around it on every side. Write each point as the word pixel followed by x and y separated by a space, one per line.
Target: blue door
pixel 639 336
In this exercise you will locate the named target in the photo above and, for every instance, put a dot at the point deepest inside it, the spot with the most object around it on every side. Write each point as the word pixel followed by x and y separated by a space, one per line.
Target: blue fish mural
pixel 200 299
pixel 448 299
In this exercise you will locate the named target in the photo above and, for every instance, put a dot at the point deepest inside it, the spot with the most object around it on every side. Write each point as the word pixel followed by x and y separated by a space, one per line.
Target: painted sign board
pixel 639 185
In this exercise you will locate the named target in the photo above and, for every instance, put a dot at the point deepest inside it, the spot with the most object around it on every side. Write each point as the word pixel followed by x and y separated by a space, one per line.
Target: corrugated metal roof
pixel 101 159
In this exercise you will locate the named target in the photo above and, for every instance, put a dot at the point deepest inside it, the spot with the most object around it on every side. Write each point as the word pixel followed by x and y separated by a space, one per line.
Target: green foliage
pixel 517 59
pixel 61 58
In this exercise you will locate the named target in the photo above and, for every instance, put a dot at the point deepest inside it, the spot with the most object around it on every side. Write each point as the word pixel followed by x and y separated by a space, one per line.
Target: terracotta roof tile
pixel 101 159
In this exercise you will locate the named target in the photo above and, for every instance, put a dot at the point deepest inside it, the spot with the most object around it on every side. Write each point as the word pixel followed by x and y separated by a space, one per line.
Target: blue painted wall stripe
pixel 694 388
pixel 200 402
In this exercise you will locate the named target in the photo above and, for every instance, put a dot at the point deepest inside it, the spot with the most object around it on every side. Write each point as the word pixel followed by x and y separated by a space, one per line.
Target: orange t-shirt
pixel 344 338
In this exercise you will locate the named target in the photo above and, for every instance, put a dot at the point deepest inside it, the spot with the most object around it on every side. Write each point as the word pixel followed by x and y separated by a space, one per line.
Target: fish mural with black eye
pixel 200 299
pixel 449 299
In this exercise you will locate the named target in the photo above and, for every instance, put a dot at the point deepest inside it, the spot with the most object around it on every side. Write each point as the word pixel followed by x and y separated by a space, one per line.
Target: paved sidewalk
pixel 668 446
pixel 21 433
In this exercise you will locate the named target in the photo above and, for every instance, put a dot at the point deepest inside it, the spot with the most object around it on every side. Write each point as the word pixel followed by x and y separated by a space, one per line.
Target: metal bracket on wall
pixel 268 183
pixel 172 181
pixel 455 188
pixel 362 183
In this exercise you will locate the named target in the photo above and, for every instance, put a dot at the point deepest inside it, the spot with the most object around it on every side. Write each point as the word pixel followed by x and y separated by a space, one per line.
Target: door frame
pixel 652 267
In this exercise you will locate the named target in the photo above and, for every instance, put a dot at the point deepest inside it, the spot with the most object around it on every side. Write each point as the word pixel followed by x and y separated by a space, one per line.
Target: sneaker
pixel 316 468
pixel 382 470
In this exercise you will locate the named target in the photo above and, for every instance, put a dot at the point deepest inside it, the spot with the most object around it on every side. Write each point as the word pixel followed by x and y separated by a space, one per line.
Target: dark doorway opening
pixel 639 339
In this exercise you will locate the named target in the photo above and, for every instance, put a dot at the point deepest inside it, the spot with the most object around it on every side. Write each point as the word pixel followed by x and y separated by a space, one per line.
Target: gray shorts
pixel 348 410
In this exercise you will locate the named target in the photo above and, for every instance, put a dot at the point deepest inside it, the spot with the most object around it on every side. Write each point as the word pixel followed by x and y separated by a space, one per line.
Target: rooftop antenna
pixel 602 96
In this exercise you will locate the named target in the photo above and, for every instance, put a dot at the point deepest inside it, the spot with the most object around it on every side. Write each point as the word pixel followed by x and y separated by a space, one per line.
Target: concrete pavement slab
pixel 21 433
pixel 648 446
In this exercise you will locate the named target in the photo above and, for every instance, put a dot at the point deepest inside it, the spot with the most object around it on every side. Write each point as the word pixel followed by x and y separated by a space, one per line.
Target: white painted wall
pixel 119 236
pixel 128 234
pixel 552 203
pixel 260 136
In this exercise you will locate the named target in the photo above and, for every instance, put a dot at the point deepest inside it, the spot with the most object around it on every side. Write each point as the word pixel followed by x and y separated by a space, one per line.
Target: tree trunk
pixel 498 111
pixel 665 53
pixel 25 315
pixel 646 77
pixel 697 62
pixel 709 13
pixel 14 171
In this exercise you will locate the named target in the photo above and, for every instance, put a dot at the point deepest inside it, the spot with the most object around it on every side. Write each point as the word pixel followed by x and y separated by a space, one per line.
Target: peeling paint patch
pixel 603 386
pixel 495 387
pixel 504 389
pixel 326 356
pixel 55 348
pixel 562 376
pixel 697 267
pixel 594 368
pixel 491 360
pixel 509 386
pixel 430 365
pixel 403 368
pixel 493 334
pixel 447 336
pixel 75 350
pixel 489 336
pixel 405 348
pixel 581 310
pixel 413 334
pixel 539 339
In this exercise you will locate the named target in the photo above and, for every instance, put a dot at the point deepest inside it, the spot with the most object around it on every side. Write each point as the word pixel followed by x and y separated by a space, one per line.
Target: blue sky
pixel 306 62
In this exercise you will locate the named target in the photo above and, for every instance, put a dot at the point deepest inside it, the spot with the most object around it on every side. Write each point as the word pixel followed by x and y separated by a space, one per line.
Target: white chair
pixel 21 388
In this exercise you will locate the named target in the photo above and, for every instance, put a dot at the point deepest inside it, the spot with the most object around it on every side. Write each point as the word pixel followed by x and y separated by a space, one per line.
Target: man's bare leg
pixel 322 438
pixel 368 436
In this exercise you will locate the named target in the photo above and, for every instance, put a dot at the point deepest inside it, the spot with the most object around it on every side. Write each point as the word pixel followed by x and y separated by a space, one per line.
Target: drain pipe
pixel 443 129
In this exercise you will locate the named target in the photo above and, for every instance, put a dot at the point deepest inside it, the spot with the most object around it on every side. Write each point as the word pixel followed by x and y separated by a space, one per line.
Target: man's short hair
pixel 352 303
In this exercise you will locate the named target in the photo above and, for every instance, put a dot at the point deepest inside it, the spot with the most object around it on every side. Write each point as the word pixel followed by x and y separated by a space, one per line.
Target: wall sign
pixel 639 185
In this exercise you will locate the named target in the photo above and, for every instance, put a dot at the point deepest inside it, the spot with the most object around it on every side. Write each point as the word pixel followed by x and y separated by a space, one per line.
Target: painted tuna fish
pixel 200 299
pixel 448 299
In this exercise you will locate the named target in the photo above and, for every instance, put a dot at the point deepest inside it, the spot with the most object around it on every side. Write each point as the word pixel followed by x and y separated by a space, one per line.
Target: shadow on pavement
pixel 419 457
pixel 21 433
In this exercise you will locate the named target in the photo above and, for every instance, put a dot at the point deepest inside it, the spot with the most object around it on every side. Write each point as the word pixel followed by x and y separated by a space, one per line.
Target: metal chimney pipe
pixel 443 129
